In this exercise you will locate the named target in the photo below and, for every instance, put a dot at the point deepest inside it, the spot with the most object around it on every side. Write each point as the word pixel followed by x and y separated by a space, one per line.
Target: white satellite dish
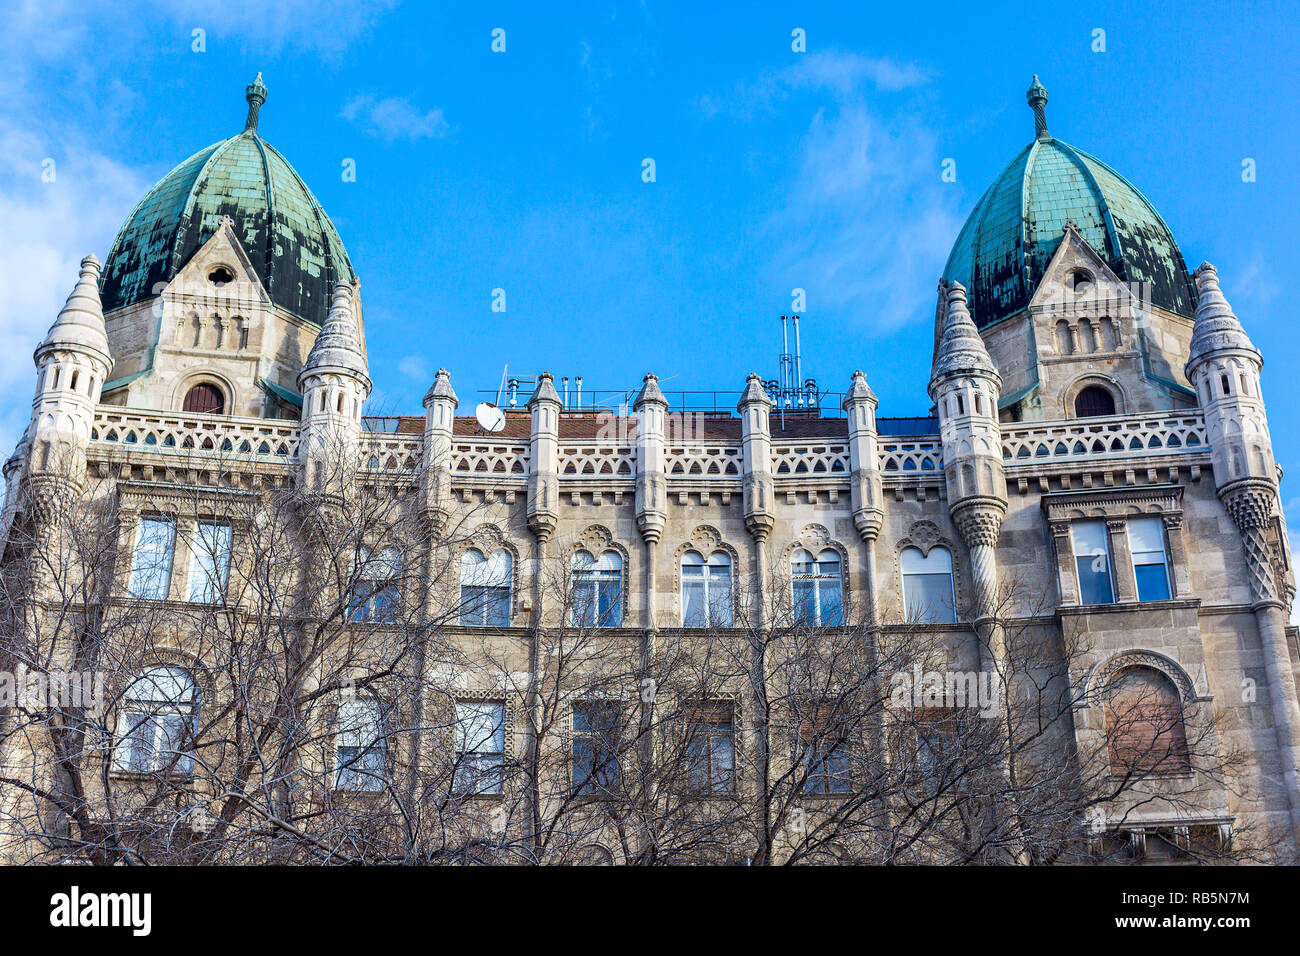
pixel 490 418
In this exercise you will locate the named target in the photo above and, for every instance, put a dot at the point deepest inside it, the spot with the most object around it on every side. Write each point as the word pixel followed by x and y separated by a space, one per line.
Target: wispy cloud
pixel 846 76
pixel 49 226
pixel 865 221
pixel 414 367
pixel 395 118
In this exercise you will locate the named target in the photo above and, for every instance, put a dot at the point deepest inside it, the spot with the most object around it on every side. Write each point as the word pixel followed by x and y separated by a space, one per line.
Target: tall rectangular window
pixel 151 562
pixel 710 749
pixel 1092 562
pixel 209 563
pixel 825 750
pixel 480 747
pixel 362 757
pixel 376 593
pixel 596 771
pixel 1146 542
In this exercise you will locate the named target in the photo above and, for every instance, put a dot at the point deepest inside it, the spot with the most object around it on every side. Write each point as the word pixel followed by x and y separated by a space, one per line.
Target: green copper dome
pixel 292 243
pixel 1004 249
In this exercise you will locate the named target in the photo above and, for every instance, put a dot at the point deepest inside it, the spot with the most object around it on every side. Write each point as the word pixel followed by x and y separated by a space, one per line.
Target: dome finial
pixel 1037 97
pixel 255 93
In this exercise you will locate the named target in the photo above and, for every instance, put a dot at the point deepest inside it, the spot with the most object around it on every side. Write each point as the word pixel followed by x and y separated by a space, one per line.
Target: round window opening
pixel 1080 282
pixel 221 276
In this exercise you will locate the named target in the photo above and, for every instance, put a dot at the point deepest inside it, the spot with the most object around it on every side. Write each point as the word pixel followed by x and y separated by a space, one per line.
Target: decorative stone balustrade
pixel 810 459
pixel 1162 433
pixel 1113 437
pixel 489 459
pixel 188 433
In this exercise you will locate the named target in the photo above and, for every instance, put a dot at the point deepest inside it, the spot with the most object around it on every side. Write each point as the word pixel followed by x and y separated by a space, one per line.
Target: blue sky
pixel 775 169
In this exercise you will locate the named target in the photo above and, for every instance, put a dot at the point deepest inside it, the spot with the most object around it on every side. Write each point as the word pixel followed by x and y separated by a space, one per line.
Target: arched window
pixel 361 749
pixel 159 713
pixel 597 590
pixel 485 589
pixel 818 588
pixel 206 399
pixel 706 590
pixel 928 595
pixel 1093 401
pixel 1144 723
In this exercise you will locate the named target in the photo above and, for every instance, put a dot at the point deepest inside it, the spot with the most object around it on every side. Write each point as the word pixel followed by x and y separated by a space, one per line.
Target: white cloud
pixel 395 118
pixel 846 76
pixel 415 367
pixel 49 227
pixel 865 222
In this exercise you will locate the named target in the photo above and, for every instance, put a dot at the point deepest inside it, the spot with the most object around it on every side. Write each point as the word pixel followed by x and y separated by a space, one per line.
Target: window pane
pixel 209 563
pixel 928 598
pixel 480 727
pixel 480 747
pixel 1092 562
pixel 805 601
pixel 152 562
pixel 694 613
pixel 497 611
pixel 720 596
pixel 832 605
pixel 585 600
pixel 610 603
pixel 1147 536
pixel 1152 582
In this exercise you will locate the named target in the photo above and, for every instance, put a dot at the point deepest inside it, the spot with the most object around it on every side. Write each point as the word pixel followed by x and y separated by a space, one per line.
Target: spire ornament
pixel 255 93
pixel 1037 97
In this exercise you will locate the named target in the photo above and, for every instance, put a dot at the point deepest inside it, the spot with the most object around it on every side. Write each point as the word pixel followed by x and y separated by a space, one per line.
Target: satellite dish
pixel 490 418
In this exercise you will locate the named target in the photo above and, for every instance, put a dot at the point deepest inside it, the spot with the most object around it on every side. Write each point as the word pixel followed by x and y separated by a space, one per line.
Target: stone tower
pixel 335 383
pixel 965 385
pixel 1225 367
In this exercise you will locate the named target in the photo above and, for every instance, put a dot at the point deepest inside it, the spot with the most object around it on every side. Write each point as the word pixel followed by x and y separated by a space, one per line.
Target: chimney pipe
pixel 798 357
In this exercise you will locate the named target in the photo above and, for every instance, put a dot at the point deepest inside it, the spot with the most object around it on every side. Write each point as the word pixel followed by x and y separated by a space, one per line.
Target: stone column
pixel 1180 575
pixel 1121 561
pixel 1065 574
pixel 756 437
pixel 1250 505
pixel 651 409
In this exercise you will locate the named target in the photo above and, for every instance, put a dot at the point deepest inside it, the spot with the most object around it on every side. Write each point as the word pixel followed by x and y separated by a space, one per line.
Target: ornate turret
pixel 651 484
pixel 73 363
pixel 543 458
pixel 439 415
pixel 255 93
pixel 1036 96
pixel 1225 367
pixel 965 388
pixel 756 437
pixel 335 383
pixel 864 456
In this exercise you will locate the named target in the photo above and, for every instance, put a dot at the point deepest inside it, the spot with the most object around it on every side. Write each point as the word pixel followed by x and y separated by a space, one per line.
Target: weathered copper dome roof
pixel 1004 249
pixel 292 243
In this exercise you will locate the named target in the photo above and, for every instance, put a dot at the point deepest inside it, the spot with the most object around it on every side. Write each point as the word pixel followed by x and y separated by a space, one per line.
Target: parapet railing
pixel 1114 436
pixel 189 433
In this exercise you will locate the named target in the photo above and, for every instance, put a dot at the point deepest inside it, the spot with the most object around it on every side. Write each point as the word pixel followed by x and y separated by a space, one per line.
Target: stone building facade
pixel 1097 461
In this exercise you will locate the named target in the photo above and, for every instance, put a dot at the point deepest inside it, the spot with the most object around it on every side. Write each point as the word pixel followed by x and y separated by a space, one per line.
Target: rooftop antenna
pixel 490 417
pixel 790 388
